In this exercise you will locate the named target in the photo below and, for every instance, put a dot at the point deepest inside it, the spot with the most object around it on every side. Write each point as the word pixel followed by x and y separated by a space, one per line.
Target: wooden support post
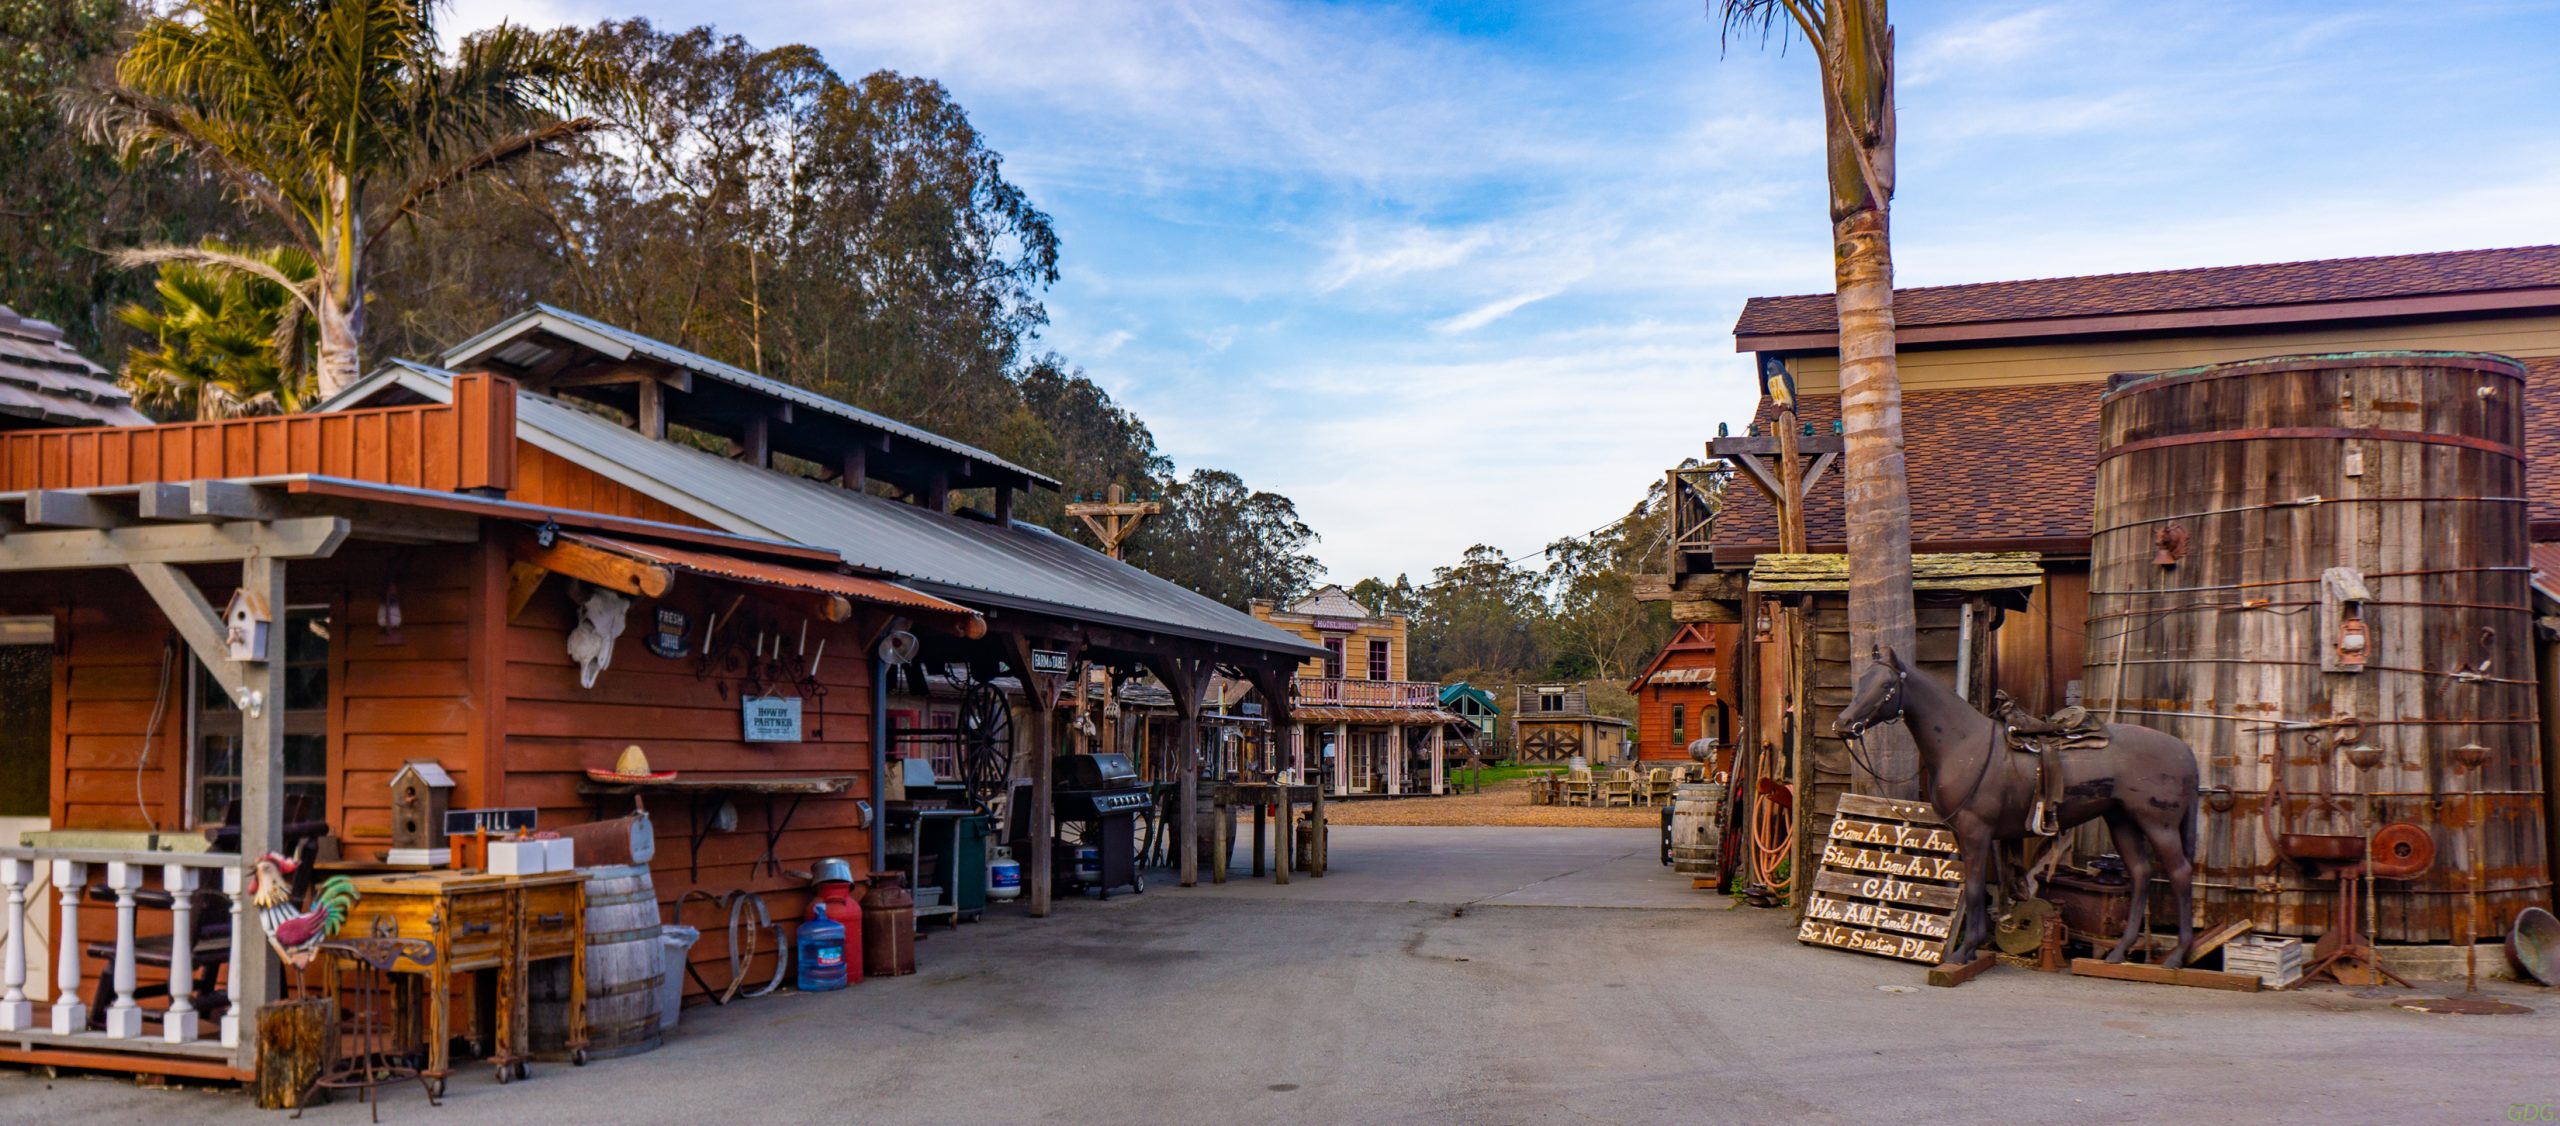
pixel 1042 729
pixel 652 409
pixel 261 783
pixel 857 467
pixel 1439 761
pixel 756 445
pixel 937 490
pixel 1004 505
pixel 1342 758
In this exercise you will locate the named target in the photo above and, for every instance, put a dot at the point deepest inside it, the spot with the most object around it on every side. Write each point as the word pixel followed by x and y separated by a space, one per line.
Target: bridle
pixel 1854 737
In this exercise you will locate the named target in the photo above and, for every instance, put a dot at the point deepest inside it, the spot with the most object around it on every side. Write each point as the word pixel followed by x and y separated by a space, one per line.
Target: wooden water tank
pixel 2225 494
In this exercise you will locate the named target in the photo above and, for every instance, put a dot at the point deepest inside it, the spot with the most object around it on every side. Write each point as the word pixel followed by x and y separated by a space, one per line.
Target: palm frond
pixel 1760 18
pixel 505 151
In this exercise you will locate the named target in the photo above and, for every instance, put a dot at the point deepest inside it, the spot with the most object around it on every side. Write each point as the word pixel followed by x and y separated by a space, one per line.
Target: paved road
pixel 1481 975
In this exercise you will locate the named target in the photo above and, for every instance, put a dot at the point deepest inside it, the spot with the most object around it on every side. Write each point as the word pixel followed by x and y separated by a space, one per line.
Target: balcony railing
pixel 172 885
pixel 1343 692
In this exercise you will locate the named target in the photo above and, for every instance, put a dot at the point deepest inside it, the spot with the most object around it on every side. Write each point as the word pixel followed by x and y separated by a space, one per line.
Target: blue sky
pixel 1449 273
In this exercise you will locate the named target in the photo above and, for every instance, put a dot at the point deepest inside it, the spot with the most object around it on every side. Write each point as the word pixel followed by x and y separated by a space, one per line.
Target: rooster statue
pixel 296 933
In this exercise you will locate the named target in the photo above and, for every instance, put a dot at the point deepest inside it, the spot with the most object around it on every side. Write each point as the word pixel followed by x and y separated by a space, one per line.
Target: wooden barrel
pixel 625 963
pixel 1697 827
pixel 2313 569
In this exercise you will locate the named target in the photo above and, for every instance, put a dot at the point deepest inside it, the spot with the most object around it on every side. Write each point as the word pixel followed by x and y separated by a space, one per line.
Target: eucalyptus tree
pixel 1852 42
pixel 337 119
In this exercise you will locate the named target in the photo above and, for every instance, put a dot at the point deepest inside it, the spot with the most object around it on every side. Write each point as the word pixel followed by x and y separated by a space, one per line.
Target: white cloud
pixel 1490 312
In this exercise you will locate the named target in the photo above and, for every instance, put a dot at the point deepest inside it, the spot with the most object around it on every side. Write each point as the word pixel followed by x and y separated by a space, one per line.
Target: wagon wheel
pixel 986 742
pixel 1549 744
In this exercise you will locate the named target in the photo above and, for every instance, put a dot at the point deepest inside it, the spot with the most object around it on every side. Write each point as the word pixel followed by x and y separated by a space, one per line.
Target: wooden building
pixel 465 569
pixel 1554 723
pixel 2002 383
pixel 1360 722
pixel 1679 696
pixel 1479 717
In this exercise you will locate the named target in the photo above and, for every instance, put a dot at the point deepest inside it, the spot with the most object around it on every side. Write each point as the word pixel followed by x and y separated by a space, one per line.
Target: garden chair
pixel 1621 789
pixel 1577 788
pixel 1658 785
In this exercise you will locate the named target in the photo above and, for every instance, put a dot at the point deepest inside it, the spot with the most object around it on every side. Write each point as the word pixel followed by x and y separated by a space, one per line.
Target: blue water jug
pixel 821 953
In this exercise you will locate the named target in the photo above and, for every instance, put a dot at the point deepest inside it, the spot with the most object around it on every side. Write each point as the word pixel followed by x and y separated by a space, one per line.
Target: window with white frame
pixel 303 649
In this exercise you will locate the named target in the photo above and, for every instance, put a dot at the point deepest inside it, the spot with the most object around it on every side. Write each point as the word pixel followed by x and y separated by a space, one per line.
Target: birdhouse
pixel 249 627
pixel 419 794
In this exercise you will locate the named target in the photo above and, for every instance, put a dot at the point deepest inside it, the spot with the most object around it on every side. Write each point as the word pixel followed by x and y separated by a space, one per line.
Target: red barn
pixel 1677 699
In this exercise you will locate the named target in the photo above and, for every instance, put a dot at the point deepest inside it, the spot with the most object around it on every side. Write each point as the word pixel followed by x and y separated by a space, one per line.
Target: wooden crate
pixel 2277 962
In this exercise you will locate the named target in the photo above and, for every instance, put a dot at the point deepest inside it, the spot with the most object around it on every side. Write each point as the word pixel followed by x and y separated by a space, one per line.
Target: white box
pixel 515 858
pixel 559 854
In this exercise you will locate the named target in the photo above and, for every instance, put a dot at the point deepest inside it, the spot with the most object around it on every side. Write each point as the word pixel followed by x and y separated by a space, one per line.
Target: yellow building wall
pixel 1355 648
pixel 1929 368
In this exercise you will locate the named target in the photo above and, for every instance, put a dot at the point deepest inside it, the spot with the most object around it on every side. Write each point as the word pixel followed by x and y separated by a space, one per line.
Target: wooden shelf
pixel 802 786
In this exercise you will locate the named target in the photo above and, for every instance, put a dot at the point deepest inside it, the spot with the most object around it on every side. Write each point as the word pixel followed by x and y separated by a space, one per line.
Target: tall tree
pixel 1481 617
pixel 858 238
pixel 1086 440
pixel 63 199
pixel 1597 626
pixel 336 119
pixel 1852 40
pixel 222 343
pixel 1228 541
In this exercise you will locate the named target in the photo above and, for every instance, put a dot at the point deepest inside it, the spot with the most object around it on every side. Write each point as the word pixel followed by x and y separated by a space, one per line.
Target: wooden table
pixel 1279 800
pixel 477 921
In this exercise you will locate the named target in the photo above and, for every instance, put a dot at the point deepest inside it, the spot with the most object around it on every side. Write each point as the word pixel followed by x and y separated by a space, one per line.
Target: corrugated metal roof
pixel 878 592
pixel 973 562
pixel 597 334
pixel 42 378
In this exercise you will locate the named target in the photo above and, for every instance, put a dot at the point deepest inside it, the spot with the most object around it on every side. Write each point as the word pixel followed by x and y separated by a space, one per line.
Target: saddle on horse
pixel 2071 729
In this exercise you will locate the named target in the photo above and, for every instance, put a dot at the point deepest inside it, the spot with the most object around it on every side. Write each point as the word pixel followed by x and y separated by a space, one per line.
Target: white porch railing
pixel 1325 691
pixel 65 1022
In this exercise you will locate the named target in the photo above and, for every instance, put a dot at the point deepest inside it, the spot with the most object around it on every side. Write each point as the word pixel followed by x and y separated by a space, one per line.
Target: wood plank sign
pixel 1050 662
pixel 770 719
pixel 1888 883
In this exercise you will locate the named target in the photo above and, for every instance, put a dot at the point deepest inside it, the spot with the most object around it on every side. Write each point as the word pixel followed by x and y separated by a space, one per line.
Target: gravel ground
pixel 1503 803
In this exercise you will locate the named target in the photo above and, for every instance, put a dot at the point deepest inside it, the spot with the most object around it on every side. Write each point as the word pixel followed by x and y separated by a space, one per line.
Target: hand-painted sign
pixel 1050 662
pixel 771 719
pixel 1888 883
pixel 465 822
pixel 666 637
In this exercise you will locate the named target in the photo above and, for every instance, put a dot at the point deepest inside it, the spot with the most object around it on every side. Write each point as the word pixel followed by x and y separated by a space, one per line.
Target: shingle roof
pixel 553 318
pixel 2020 463
pixel 972 562
pixel 42 378
pixel 2164 291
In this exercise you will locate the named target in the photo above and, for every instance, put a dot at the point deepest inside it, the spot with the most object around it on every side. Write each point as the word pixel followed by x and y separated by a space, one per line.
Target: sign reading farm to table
pixel 1050 662
pixel 1888 883
pixel 771 719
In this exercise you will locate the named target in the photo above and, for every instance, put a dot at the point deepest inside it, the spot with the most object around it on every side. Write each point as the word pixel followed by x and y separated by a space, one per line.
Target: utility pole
pixel 1114 518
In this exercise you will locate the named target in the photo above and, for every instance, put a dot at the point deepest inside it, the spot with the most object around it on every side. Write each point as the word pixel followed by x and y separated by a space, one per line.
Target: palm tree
pixel 1853 42
pixel 337 119
pixel 224 342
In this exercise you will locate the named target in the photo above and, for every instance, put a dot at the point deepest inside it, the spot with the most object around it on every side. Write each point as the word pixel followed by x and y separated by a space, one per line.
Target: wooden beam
pixel 66 509
pixel 595 565
pixel 1766 445
pixel 164 501
pixel 857 467
pixel 307 537
pixel 673 379
pixel 523 579
pixel 1705 613
pixel 755 443
pixel 231 500
pixel 195 620
pixel 2163 975
pixel 1004 505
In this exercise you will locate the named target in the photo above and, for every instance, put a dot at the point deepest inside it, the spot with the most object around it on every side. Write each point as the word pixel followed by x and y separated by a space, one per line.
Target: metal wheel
pixel 505 1073
pixel 578 1058
pixel 986 742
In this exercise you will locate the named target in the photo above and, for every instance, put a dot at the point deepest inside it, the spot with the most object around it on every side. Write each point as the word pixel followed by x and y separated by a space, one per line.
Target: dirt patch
pixel 1502 803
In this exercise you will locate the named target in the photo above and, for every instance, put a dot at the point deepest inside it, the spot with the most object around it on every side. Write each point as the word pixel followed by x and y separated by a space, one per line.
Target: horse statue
pixel 2142 781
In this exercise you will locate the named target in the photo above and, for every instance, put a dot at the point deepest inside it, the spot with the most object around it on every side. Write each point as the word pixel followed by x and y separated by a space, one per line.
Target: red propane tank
pixel 841 907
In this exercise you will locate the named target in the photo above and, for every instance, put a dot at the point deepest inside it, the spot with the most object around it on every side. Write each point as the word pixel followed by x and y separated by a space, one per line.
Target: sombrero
pixel 633 766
